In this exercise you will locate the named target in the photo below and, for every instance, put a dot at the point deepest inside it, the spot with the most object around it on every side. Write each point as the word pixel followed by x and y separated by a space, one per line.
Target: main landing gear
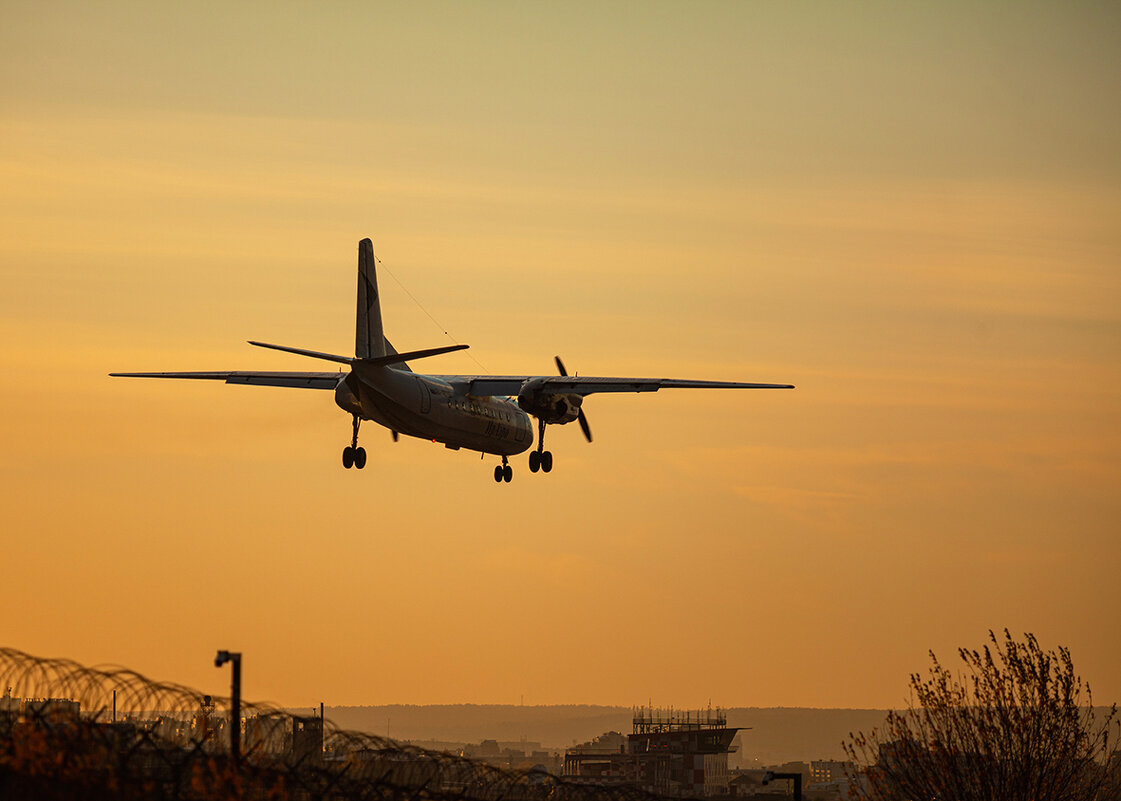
pixel 352 454
pixel 503 472
pixel 540 459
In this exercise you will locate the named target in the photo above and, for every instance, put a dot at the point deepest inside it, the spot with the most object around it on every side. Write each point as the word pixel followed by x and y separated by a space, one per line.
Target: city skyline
pixel 909 213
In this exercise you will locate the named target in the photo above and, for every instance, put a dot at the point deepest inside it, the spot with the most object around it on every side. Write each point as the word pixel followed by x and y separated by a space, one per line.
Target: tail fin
pixel 369 341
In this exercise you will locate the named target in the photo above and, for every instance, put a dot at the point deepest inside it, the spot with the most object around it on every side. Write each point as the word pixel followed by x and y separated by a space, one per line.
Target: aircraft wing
pixel 297 380
pixel 585 385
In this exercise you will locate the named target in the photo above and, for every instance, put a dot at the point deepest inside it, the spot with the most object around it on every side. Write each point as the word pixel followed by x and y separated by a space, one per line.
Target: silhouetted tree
pixel 1017 725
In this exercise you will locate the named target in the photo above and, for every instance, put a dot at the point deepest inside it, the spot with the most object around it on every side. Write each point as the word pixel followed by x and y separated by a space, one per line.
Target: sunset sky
pixel 910 211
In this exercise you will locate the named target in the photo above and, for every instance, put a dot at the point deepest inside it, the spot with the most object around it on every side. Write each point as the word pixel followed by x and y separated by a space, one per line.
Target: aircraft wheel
pixel 348 457
pixel 534 461
pixel 498 473
pixel 359 457
pixel 507 473
pixel 546 461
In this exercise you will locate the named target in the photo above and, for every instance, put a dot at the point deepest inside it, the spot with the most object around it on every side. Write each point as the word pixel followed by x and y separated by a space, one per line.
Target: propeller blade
pixel 584 426
pixel 581 418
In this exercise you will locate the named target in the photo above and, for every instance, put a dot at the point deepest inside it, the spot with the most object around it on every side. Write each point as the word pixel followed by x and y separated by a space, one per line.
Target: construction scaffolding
pixel 651 720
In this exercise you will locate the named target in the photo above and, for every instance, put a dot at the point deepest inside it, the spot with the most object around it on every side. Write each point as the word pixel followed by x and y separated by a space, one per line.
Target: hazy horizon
pixel 769 736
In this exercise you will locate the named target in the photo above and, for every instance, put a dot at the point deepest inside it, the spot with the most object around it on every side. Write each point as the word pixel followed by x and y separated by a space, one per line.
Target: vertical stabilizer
pixel 369 341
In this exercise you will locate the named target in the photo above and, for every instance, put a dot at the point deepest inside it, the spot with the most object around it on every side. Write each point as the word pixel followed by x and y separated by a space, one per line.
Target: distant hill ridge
pixel 775 735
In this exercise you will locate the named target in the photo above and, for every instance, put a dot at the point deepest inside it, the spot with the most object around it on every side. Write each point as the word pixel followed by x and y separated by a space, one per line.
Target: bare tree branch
pixel 1018 724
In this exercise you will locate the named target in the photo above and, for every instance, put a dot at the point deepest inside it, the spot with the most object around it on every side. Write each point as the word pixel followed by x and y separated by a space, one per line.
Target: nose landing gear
pixel 352 454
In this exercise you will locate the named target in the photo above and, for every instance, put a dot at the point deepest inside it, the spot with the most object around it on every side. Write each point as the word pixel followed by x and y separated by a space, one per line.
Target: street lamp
pixel 235 701
pixel 770 776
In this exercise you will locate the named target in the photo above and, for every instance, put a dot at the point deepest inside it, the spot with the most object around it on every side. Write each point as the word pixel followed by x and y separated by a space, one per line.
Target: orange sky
pixel 912 213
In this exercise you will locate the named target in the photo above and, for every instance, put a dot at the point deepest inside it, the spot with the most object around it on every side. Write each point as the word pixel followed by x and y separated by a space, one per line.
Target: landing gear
pixel 503 472
pixel 540 459
pixel 354 456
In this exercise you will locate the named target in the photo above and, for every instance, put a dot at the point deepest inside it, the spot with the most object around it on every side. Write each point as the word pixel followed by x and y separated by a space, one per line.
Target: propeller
pixel 580 417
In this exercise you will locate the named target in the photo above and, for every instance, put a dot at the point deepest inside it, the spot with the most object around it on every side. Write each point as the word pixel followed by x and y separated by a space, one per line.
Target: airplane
pixel 485 413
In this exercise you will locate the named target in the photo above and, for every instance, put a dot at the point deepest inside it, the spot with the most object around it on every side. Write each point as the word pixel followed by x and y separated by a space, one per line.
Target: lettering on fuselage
pixel 478 421
pixel 498 430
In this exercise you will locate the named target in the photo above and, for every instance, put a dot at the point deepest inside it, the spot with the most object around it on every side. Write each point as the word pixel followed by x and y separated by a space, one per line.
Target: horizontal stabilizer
pixel 331 357
pixel 397 358
pixel 377 361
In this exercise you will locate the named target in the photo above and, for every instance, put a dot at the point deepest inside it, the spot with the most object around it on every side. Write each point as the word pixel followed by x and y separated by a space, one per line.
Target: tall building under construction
pixel 668 752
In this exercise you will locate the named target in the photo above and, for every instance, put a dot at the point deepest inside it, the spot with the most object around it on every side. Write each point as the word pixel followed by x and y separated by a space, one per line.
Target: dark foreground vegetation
pixel 1016 723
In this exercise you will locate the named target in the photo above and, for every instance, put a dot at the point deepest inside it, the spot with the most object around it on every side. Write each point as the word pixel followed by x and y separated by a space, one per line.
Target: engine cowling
pixel 348 396
pixel 552 407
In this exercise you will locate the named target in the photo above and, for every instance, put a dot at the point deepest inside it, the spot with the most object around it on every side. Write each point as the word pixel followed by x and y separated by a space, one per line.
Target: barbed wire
pixel 71 731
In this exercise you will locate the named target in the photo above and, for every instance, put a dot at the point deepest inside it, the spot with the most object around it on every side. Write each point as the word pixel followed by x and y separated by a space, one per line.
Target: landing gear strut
pixel 540 459
pixel 352 454
pixel 503 472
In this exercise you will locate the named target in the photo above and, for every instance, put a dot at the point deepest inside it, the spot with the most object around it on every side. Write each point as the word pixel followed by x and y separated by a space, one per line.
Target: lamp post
pixel 770 776
pixel 235 701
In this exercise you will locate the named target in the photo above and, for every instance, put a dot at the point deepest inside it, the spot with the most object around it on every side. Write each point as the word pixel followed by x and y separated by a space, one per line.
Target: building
pixel 265 734
pixel 10 706
pixel 307 737
pixel 669 753
pixel 830 770
pixel 746 782
pixel 51 709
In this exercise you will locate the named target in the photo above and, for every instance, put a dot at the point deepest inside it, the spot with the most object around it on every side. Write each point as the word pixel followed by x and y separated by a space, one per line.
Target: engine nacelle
pixel 552 407
pixel 346 398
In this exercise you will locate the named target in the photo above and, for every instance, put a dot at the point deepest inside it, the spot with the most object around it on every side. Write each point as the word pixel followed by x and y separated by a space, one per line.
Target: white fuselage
pixel 428 408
